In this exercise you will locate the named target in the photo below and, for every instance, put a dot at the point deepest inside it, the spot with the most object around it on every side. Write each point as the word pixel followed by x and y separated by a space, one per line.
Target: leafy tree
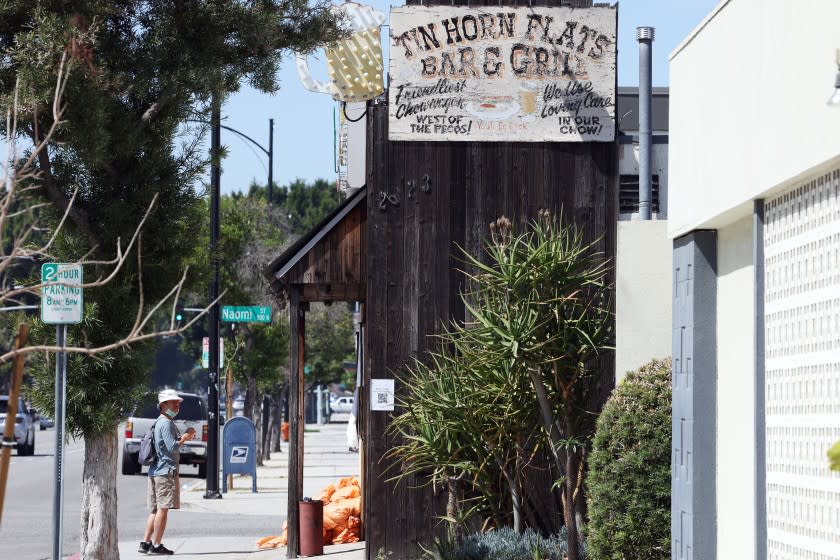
pixel 629 478
pixel 834 457
pixel 140 71
pixel 305 204
pixel 252 233
pixel 329 342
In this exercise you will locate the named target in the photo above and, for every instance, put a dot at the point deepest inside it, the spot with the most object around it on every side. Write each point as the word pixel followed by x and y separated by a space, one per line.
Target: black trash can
pixel 311 524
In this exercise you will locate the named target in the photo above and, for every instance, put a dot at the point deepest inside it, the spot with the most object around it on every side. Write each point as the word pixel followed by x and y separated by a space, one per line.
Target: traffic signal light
pixel 179 310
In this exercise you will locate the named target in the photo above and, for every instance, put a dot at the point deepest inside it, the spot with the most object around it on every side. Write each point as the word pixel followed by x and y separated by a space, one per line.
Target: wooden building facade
pixel 426 199
pixel 422 201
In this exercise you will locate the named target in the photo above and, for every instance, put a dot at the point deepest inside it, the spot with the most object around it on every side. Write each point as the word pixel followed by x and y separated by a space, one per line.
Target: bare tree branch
pixel 22 178
pixel 78 216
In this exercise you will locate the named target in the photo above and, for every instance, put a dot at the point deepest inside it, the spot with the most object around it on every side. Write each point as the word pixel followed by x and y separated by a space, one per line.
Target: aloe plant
pixel 541 304
pixel 518 373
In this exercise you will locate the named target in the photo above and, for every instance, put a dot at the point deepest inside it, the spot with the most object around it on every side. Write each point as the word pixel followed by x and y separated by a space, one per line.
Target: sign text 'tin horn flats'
pixel 502 74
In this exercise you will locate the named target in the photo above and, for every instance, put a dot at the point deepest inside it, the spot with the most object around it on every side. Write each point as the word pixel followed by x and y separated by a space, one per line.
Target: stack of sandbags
pixel 342 515
pixel 342 511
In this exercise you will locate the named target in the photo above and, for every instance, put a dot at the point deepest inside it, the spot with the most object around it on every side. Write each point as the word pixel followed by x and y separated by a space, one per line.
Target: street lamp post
pixel 270 158
pixel 212 491
pixel 269 152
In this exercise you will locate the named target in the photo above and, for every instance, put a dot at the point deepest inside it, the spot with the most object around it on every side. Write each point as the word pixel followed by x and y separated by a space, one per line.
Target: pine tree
pixel 143 73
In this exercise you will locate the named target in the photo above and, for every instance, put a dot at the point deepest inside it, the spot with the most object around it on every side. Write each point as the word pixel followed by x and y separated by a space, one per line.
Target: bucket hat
pixel 168 395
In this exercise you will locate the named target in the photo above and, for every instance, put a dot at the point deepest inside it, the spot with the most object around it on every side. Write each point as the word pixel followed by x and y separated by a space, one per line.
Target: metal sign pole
pixel 60 409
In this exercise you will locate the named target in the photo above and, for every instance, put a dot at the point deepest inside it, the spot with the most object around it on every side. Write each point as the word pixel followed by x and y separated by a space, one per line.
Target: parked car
pixel 342 404
pixel 24 425
pixel 45 421
pixel 193 414
pixel 239 406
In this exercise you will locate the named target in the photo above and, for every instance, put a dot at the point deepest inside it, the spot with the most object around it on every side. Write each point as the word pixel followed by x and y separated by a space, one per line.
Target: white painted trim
pixel 698 29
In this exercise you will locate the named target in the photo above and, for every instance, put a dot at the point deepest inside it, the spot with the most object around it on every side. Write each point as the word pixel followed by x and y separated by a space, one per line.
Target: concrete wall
pixel 748 107
pixel 736 393
pixel 643 294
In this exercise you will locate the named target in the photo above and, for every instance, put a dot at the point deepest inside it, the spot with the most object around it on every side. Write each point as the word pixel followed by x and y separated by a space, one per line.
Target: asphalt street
pixel 26 530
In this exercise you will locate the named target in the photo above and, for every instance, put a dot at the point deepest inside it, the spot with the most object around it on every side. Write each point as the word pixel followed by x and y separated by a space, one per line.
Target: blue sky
pixel 304 121
pixel 303 133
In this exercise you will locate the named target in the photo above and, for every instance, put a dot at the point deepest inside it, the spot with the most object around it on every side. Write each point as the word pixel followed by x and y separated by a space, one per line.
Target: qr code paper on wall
pixel 382 394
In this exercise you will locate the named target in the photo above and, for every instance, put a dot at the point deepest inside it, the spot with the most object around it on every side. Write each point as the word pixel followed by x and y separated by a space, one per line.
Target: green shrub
pixel 629 478
pixel 504 544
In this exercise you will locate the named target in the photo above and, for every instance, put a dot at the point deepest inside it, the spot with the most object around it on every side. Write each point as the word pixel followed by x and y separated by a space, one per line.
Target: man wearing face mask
pixel 164 486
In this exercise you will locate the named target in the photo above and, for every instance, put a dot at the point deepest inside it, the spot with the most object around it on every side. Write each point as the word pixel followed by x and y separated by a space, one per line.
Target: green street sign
pixel 246 314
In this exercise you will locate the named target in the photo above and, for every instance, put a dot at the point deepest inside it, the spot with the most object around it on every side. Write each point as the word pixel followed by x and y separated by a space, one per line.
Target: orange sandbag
pixel 345 492
pixel 266 543
pixel 329 521
pixel 326 494
pixel 337 514
pixel 351 533
pixel 349 481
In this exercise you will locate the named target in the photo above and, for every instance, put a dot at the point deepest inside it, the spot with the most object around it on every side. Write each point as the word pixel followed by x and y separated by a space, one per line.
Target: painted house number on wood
pixel 502 74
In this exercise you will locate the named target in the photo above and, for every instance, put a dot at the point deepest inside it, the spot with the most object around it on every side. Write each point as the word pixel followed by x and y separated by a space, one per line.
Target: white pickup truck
pixel 193 414
pixel 24 425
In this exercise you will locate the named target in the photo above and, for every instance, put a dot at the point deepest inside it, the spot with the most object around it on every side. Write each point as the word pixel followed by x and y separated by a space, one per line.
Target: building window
pixel 628 194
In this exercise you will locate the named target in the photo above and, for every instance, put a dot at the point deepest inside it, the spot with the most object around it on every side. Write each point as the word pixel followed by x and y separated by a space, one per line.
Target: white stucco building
pixel 754 214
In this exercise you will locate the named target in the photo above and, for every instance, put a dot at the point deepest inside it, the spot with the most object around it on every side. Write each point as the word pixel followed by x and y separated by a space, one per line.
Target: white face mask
pixel 171 413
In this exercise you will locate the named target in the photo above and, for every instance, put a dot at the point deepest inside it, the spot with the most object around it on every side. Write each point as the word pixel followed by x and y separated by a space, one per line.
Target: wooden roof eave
pixel 277 271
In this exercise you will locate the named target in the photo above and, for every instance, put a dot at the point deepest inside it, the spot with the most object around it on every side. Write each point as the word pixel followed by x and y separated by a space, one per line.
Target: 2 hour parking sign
pixel 61 293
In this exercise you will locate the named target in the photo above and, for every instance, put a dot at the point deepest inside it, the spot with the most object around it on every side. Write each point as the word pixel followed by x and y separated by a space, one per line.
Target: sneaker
pixel 159 549
pixel 144 547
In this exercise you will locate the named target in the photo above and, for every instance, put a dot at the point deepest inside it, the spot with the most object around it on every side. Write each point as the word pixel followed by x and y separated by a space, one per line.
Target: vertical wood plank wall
pixel 413 279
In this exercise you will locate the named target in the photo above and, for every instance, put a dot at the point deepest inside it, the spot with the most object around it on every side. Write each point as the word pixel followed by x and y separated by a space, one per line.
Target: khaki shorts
pixel 164 492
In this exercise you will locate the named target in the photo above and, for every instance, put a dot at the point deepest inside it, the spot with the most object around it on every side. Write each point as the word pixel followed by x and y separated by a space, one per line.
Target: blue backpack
pixel 148 451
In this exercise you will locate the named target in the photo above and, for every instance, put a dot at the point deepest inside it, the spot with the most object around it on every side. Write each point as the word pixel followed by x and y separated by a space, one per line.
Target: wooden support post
pixel 11 412
pixel 229 406
pixel 297 320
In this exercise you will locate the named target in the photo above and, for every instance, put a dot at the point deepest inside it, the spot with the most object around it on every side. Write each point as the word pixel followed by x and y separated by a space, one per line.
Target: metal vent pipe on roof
pixel 645 37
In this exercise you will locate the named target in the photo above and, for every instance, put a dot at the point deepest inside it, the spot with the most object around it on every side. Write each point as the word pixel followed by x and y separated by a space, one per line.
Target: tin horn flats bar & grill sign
pixel 502 74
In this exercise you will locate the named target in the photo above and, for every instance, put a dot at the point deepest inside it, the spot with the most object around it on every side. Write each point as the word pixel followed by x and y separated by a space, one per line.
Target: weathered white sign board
pixel 62 298
pixel 502 74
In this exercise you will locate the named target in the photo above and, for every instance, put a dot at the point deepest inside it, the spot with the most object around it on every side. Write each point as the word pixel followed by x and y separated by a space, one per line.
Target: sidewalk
pixel 326 460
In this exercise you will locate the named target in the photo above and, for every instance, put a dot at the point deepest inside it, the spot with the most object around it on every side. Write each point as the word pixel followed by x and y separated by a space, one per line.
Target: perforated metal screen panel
pixel 802 328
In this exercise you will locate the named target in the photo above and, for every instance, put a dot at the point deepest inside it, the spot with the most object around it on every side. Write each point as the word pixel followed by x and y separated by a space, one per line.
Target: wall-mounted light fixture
pixel 834 100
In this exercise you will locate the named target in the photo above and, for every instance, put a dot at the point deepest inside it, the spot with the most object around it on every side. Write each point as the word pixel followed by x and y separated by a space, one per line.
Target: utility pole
pixel 212 491
pixel 214 366
pixel 270 159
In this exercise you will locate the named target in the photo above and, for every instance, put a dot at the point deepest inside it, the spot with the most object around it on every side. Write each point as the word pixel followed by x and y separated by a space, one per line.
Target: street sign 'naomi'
pixel 502 74
pixel 246 314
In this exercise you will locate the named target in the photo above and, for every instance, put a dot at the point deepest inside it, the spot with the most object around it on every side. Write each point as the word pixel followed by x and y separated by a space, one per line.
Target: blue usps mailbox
pixel 239 450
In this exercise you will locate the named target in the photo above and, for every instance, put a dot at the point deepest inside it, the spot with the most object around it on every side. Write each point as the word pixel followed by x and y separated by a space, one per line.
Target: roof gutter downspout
pixel 645 37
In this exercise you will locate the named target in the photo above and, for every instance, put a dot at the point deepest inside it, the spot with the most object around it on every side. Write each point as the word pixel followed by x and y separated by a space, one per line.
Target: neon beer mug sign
pixel 355 63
